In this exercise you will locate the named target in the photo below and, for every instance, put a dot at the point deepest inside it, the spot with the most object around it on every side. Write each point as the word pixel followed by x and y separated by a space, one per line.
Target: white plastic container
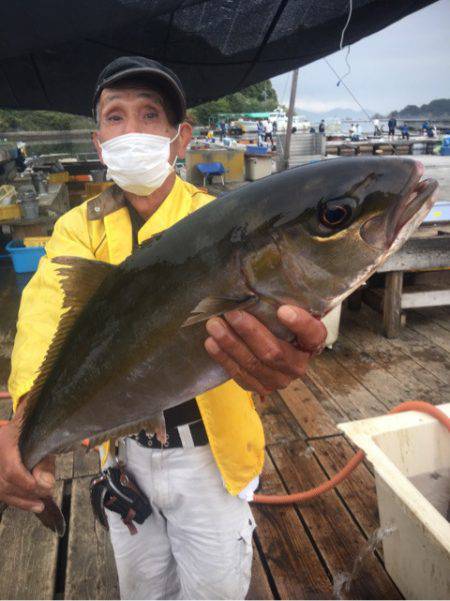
pixel 258 167
pixel 331 321
pixel 402 447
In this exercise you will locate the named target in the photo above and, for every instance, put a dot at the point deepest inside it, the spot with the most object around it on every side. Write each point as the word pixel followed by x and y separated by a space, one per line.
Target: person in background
pixel 322 127
pixel 227 128
pixel 405 131
pixel 268 133
pixel 376 127
pixel 392 124
pixel 275 127
pixel 351 131
pixel 222 130
pixel 260 130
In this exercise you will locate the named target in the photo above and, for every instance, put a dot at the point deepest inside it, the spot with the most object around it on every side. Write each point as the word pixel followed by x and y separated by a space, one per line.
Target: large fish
pixel 131 342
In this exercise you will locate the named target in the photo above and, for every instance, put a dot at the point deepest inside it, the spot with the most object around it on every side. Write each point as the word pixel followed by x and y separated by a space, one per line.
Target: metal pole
pixel 287 146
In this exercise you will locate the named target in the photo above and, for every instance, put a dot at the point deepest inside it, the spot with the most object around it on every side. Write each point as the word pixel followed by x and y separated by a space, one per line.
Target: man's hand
pixel 255 358
pixel 18 487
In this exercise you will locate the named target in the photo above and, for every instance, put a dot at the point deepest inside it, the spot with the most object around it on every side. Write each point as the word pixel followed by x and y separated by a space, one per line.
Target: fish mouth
pixel 387 231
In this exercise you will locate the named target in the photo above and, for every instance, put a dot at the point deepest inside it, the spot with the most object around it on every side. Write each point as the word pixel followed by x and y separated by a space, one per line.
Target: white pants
pixel 197 543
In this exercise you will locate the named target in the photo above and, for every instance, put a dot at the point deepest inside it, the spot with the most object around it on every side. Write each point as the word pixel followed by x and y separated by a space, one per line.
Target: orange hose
pixel 354 461
pixel 306 495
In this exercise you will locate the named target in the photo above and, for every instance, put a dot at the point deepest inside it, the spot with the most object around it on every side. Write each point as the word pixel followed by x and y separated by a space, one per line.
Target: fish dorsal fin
pixel 79 279
pixel 216 305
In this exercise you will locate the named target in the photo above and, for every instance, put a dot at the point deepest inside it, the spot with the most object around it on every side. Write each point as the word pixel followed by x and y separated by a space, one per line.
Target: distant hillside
pixel 436 109
pixel 13 120
pixel 336 113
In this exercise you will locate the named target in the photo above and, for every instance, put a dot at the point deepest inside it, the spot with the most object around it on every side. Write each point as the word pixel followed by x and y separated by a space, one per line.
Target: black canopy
pixel 51 52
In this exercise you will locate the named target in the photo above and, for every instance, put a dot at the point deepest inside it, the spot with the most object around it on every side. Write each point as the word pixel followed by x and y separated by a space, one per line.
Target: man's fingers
pixel 44 472
pixel 243 352
pixel 34 505
pixel 270 350
pixel 235 372
pixel 310 332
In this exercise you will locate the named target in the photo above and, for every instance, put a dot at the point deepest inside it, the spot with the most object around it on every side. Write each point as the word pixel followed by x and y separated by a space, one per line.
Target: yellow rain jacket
pixel 101 229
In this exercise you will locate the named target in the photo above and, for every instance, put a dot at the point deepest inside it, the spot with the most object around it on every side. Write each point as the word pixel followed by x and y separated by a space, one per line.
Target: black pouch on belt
pixel 115 490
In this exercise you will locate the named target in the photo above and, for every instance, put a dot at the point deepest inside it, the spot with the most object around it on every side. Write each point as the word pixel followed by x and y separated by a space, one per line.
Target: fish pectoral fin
pixel 81 278
pixel 216 305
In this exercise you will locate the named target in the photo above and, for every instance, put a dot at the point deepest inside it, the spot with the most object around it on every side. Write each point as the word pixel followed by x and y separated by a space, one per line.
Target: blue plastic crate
pixel 256 149
pixel 25 258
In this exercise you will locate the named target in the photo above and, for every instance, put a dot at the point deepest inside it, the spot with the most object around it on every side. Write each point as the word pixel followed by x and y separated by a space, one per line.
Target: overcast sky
pixel 406 63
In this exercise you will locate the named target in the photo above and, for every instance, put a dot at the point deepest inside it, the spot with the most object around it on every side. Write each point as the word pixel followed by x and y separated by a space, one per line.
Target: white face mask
pixel 138 163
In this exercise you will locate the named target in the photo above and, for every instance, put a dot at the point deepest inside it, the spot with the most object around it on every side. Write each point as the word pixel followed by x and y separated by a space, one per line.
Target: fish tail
pixel 52 517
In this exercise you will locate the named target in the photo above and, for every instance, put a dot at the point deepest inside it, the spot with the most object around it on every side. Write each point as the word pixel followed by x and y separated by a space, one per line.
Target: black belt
pixel 186 436
pixel 184 428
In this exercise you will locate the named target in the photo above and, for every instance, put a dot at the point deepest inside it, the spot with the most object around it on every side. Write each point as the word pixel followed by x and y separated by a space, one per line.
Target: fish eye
pixel 335 213
pixel 333 216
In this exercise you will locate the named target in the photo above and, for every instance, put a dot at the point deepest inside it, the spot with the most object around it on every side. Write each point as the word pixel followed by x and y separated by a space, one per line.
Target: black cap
pixel 125 67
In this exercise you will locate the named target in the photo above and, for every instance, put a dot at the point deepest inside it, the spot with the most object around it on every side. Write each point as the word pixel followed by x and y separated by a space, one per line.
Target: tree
pixel 259 97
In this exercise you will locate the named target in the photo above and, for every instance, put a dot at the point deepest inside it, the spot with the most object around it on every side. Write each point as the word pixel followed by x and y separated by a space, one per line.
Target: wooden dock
pixel 300 551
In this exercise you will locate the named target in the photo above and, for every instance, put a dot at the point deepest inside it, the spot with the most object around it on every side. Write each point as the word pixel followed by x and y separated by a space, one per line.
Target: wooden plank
pixel 294 565
pixel 370 373
pixel 28 554
pixel 440 315
pixel 335 534
pixel 429 357
pixel 420 323
pixel 358 490
pixel 412 297
pixel 334 412
pixel 350 396
pixel 259 585
pixel 276 428
pixel 392 304
pixel 91 571
pixel 85 463
pixel 420 254
pixel 64 466
pixel 307 410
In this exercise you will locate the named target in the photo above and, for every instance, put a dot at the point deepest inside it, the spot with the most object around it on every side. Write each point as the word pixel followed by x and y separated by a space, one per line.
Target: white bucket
pixel 403 447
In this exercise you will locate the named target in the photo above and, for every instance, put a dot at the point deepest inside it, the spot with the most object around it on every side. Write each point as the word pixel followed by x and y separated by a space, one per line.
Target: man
pixel 268 129
pixel 322 127
pixel 261 132
pixel 405 131
pixel 392 124
pixel 197 543
pixel 376 128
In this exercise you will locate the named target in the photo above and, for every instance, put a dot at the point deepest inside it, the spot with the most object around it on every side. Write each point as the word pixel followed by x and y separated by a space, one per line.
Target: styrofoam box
pixel 401 446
